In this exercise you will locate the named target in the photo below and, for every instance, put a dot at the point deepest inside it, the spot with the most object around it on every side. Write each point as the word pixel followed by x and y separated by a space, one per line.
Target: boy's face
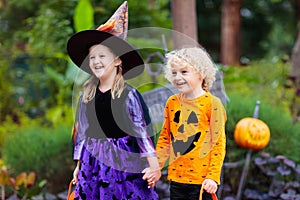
pixel 186 79
pixel 103 62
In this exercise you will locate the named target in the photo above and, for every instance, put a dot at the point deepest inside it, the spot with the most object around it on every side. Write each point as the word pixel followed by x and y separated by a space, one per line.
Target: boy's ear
pixel 202 75
pixel 118 61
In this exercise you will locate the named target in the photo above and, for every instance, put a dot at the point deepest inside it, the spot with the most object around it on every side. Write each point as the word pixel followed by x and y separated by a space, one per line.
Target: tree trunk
pixel 295 72
pixel 297 7
pixel 295 69
pixel 151 4
pixel 230 32
pixel 184 23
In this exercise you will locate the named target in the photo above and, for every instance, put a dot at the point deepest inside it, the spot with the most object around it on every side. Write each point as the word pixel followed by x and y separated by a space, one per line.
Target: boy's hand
pixel 210 186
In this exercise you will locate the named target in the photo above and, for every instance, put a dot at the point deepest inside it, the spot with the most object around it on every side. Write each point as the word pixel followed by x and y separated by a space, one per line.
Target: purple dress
pixel 112 141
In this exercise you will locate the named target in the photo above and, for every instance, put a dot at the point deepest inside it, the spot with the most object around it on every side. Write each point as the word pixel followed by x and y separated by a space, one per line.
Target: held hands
pixel 151 176
pixel 210 186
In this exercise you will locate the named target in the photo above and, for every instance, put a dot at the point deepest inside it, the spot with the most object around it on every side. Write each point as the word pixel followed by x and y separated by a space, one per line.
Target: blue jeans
pixel 182 191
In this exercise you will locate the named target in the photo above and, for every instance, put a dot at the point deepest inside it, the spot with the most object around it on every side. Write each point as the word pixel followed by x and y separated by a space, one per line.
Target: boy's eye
pixel 184 72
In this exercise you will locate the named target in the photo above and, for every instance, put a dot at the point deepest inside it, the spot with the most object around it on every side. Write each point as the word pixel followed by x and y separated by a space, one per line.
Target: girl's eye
pixel 92 57
pixel 174 73
pixel 184 72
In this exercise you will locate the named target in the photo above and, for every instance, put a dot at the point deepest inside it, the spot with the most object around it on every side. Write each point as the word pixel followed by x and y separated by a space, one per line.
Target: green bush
pixel 44 150
pixel 264 81
pixel 284 139
pixel 9 126
pixel 285 135
pixel 283 132
pixel 238 108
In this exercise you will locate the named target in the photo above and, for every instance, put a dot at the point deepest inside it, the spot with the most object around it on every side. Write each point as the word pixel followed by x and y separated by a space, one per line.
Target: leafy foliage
pixel 7 105
pixel 247 85
pixel 278 175
pixel 263 80
pixel 83 16
pixel 141 13
pixel 42 150
pixel 37 44
pixel 23 185
pixel 263 32
pixel 39 84
pixel 279 178
pixel 47 33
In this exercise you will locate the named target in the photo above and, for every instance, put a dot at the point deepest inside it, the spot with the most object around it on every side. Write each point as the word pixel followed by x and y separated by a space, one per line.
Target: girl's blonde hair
pixel 90 86
pixel 197 58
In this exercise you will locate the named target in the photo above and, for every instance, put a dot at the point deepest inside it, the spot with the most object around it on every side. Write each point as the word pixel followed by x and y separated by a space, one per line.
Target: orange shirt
pixel 193 138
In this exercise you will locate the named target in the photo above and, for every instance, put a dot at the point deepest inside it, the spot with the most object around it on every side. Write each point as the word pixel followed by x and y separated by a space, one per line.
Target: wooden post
pixel 247 161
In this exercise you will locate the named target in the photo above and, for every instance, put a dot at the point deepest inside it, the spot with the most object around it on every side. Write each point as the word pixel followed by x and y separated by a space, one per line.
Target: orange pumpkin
pixel 252 133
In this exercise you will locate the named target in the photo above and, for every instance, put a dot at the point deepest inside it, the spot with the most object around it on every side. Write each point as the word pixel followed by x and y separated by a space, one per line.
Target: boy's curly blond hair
pixel 197 58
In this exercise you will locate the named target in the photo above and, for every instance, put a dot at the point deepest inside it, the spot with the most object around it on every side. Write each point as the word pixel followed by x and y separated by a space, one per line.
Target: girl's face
pixel 103 62
pixel 186 79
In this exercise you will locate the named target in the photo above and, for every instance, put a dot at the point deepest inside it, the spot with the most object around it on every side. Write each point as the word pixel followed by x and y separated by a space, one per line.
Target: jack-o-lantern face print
pixel 186 134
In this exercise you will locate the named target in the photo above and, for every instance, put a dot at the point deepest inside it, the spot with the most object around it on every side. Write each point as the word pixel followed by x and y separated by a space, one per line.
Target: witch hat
pixel 113 35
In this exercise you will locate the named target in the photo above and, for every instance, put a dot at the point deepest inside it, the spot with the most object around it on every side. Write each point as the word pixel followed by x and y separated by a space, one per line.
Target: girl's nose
pixel 97 59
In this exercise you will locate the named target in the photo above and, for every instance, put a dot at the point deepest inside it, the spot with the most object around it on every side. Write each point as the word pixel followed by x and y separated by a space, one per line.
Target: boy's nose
pixel 178 76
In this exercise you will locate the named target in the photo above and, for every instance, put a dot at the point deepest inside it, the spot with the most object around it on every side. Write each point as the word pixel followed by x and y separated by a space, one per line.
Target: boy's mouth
pixel 180 83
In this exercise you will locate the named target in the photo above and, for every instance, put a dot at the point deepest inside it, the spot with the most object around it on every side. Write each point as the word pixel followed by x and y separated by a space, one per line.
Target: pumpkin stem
pixel 256 109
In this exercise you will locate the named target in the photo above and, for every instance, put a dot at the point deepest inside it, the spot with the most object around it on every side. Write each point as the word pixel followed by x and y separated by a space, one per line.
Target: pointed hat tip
pixel 124 5
pixel 118 22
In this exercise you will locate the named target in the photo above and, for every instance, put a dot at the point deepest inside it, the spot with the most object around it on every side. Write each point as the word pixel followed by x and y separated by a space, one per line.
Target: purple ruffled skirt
pixel 110 169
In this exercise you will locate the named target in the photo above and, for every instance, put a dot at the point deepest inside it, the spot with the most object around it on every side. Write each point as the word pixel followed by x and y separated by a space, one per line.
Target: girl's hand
pixel 152 176
pixel 75 173
pixel 210 186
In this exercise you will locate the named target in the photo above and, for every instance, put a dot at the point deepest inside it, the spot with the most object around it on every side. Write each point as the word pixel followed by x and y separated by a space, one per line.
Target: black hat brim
pixel 78 49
